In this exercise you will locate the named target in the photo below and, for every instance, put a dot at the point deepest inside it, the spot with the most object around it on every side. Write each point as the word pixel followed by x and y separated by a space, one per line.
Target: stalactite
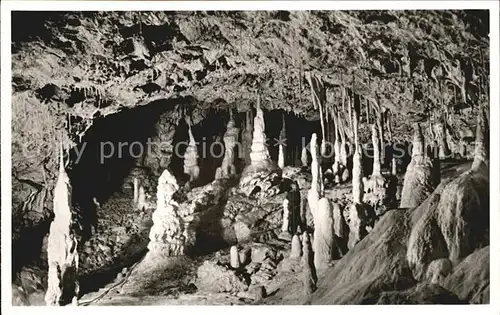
pixel 318 98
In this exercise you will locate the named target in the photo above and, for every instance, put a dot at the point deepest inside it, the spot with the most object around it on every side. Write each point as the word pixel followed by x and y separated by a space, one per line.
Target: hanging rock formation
pixel 191 167
pixel 62 254
pixel 169 234
pixel 228 168
pixel 418 183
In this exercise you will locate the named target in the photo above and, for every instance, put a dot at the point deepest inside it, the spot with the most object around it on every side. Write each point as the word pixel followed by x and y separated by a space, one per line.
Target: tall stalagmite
pixel 316 190
pixel 419 180
pixel 230 140
pixel 246 141
pixel 169 235
pixel 191 167
pixel 281 145
pixel 62 283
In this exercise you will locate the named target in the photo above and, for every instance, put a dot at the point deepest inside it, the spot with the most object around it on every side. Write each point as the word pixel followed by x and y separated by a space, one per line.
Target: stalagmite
pixel 357 176
pixel 136 189
pixel 247 136
pixel 169 234
pixel 316 190
pixel 308 272
pixel 482 140
pixel 296 250
pixel 340 228
pixel 444 149
pixel 343 145
pixel 303 157
pixel 62 283
pixel 191 158
pixel 141 198
pixel 228 168
pixel 285 227
pixel 234 257
pixel 376 187
pixel 324 242
pixel 419 178
pixel 281 146
pixel 259 156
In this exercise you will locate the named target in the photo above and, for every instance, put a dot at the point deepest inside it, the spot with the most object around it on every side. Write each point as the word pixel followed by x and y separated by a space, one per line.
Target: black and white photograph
pixel 276 155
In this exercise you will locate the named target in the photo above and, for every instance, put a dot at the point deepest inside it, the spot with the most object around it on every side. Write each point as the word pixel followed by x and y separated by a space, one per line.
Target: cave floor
pixel 160 282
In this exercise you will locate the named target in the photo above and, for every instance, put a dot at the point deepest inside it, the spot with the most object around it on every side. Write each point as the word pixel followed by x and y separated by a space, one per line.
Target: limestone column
pixel 228 168
pixel 62 283
pixel 169 234
pixel 191 158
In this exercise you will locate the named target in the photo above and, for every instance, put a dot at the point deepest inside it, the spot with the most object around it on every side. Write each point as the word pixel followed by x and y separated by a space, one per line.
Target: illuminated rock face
pixel 62 286
pixel 170 234
pixel 191 167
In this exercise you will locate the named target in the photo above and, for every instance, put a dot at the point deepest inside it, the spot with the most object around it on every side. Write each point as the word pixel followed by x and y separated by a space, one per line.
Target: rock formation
pixel 324 245
pixel 418 183
pixel 316 190
pixel 234 257
pixel 376 187
pixel 230 140
pixel 340 228
pixel 303 157
pixel 169 233
pixel 246 141
pixel 281 146
pixel 62 254
pixel 309 277
pixel 191 167
pixel 285 227
pixel 296 250
pixel 262 174
pixel 259 155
